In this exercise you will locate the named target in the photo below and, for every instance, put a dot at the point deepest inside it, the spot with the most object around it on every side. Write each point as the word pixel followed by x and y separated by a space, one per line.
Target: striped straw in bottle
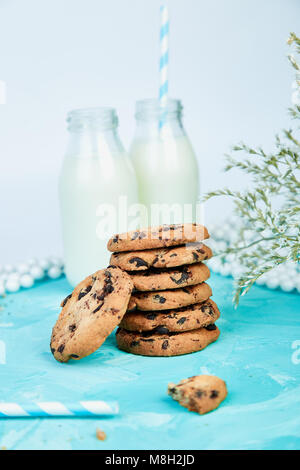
pixel 163 64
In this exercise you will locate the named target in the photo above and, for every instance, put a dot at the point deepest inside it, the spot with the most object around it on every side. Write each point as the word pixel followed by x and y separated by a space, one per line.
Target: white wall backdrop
pixel 228 65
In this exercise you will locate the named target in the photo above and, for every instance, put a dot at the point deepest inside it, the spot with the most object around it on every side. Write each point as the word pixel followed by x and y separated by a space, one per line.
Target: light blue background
pixel 227 63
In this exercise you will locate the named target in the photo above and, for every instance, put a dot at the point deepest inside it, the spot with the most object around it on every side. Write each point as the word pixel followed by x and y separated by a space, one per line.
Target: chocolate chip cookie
pixel 157 237
pixel 170 299
pixel 171 344
pixel 161 257
pixel 162 279
pixel 90 313
pixel 201 393
pixel 183 319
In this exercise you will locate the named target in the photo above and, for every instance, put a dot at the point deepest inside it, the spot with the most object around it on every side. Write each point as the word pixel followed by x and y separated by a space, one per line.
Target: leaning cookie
pixel 161 257
pixel 170 299
pixel 162 279
pixel 182 319
pixel 158 237
pixel 201 393
pixel 171 344
pixel 90 313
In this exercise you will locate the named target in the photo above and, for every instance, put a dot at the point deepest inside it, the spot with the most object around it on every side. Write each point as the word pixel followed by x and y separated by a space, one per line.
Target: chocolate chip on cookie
pixel 165 344
pixel 182 319
pixel 161 257
pixel 90 313
pixel 157 237
pixel 168 278
pixel 170 299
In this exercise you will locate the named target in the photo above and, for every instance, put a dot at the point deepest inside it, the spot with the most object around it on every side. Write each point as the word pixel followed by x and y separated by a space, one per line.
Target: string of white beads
pixel 24 275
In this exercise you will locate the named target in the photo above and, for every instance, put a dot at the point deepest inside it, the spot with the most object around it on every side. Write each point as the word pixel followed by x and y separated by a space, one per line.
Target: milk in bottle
pixel 96 172
pixel 165 163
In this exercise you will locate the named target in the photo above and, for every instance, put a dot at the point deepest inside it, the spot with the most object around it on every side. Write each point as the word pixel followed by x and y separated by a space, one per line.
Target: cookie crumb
pixel 101 436
pixel 201 393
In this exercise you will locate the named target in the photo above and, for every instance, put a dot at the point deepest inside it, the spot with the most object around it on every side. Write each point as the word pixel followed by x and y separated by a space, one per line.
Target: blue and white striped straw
pixel 57 408
pixel 163 64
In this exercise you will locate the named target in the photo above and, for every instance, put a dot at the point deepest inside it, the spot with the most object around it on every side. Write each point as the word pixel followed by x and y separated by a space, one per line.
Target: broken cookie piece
pixel 200 393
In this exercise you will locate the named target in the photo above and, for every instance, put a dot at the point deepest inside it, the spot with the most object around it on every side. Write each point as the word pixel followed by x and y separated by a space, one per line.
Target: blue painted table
pixel 257 354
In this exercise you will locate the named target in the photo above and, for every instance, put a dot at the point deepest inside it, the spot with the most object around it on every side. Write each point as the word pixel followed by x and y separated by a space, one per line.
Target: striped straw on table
pixel 57 408
pixel 163 64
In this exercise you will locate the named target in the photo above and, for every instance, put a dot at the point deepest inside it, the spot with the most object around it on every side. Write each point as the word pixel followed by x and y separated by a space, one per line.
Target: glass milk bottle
pixel 96 175
pixel 165 164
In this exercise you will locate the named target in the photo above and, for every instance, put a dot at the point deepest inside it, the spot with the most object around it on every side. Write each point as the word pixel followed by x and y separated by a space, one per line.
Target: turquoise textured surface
pixel 257 354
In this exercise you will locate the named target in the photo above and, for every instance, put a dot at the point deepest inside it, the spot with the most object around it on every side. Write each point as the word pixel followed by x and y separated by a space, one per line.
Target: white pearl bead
pixel 272 283
pixel 212 263
pixel 216 263
pixel 22 268
pixel 289 265
pixel 32 262
pixel 230 258
pixel 224 270
pixel 287 286
pixel 221 246
pixel 54 272
pixel 26 281
pixel 234 238
pixel 283 278
pixel 12 285
pixel 216 268
pixel 235 264
pixel 2 289
pixel 44 264
pixel 274 274
pixel 56 261
pixel 219 233
pixel 3 277
pixel 8 268
pixel 227 230
pixel 260 281
pixel 13 276
pixel 237 272
pixel 37 272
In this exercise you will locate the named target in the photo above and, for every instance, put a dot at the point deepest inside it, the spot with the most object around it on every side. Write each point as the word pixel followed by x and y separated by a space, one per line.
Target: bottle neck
pixel 93 132
pixel 157 121
pixel 92 119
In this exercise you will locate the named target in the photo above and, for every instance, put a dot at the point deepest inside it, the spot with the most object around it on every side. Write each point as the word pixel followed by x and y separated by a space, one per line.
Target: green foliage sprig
pixel 269 212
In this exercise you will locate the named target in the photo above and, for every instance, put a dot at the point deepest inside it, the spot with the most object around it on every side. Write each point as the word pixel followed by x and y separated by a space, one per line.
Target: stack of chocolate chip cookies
pixel 170 311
